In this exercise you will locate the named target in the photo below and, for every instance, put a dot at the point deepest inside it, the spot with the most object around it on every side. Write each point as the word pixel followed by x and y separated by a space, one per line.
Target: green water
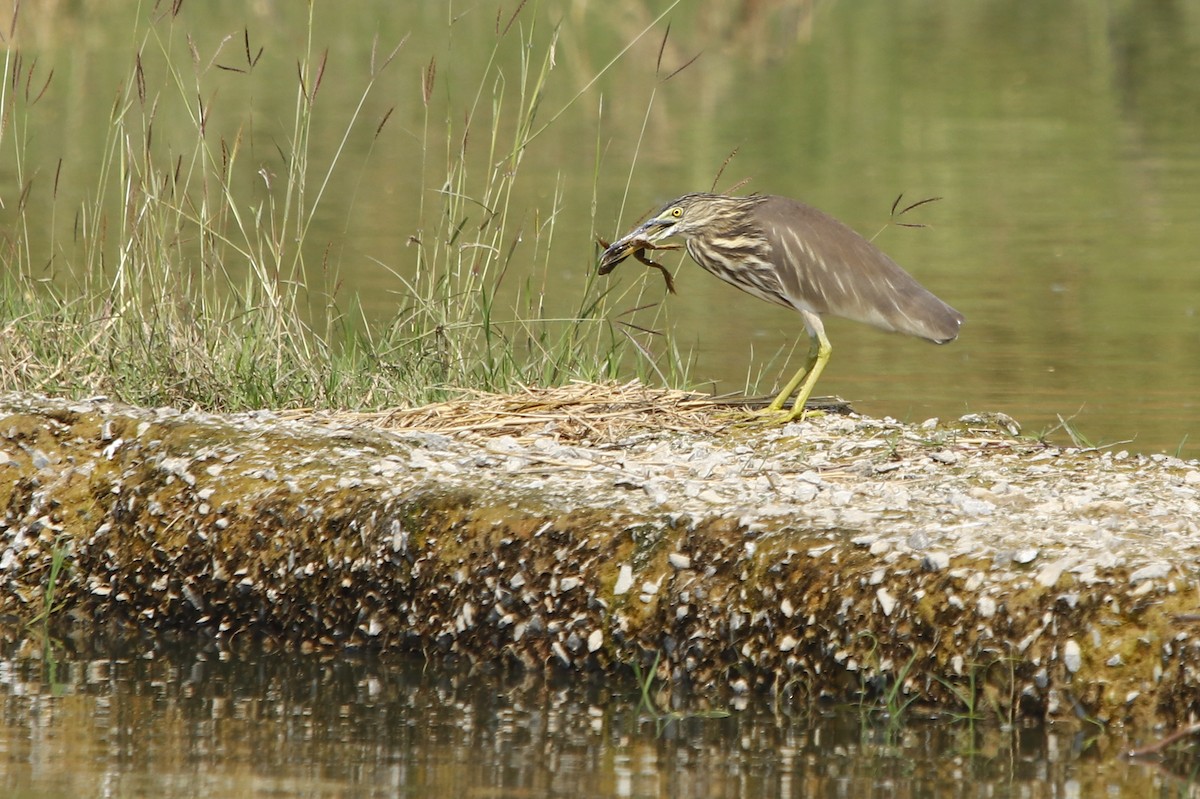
pixel 191 724
pixel 1062 137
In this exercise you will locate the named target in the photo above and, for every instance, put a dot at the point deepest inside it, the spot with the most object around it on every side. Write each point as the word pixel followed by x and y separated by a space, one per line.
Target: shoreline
pixel 592 527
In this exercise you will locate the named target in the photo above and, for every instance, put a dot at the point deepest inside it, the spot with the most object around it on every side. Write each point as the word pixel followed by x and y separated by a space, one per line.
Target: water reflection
pixel 190 723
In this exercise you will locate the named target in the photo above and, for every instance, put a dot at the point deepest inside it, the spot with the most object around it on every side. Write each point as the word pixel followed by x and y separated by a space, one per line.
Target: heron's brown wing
pixel 826 267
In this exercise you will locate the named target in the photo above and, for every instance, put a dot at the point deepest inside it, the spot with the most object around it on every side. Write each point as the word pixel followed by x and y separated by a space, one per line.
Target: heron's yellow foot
pixel 776 416
pixel 793 415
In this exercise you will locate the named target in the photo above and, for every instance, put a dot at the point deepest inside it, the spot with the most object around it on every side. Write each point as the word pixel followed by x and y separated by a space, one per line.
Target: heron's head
pixel 692 215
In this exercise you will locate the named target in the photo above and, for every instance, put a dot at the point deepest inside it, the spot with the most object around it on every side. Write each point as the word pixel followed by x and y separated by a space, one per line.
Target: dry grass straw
pixel 605 419
pixel 578 411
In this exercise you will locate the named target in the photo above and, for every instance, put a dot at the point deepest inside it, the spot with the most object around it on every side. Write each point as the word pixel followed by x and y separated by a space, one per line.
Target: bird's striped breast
pixel 742 261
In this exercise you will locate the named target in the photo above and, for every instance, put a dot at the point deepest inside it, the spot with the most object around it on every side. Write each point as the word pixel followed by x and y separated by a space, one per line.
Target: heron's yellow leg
pixel 805 379
pixel 777 404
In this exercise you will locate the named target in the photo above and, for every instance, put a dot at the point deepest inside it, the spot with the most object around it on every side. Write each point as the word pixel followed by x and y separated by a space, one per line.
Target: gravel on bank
pixel 590 528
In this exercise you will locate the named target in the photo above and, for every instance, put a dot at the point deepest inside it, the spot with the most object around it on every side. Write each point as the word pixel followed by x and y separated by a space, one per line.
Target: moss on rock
pixel 837 555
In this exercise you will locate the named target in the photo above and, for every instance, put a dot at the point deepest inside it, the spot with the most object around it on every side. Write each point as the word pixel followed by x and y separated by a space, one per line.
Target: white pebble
pixel 1050 573
pixel 1025 555
pixel 1154 571
pixel 887 602
pixel 595 640
pixel 418 459
pixel 971 506
pixel 935 561
pixel 945 456
pixel 1072 656
pixel 624 580
pixel 679 561
pixel 804 492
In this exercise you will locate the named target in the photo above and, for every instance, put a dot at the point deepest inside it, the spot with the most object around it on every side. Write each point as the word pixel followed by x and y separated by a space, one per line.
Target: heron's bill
pixel 618 251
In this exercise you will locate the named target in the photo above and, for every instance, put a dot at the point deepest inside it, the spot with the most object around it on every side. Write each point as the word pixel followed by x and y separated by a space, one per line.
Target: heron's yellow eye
pixel 676 212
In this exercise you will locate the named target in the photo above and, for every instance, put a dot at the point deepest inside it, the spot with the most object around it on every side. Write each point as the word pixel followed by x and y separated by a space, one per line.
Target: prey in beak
pixel 636 244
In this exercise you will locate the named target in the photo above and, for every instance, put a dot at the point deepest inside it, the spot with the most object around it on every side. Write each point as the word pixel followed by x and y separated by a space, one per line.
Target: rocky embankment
pixel 591 527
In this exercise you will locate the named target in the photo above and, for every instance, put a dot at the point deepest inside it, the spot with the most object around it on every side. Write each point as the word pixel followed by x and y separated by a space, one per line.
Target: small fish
pixel 636 246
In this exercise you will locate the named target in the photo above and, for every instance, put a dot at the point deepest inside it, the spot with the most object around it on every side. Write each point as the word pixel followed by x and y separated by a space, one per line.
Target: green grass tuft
pixel 185 281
